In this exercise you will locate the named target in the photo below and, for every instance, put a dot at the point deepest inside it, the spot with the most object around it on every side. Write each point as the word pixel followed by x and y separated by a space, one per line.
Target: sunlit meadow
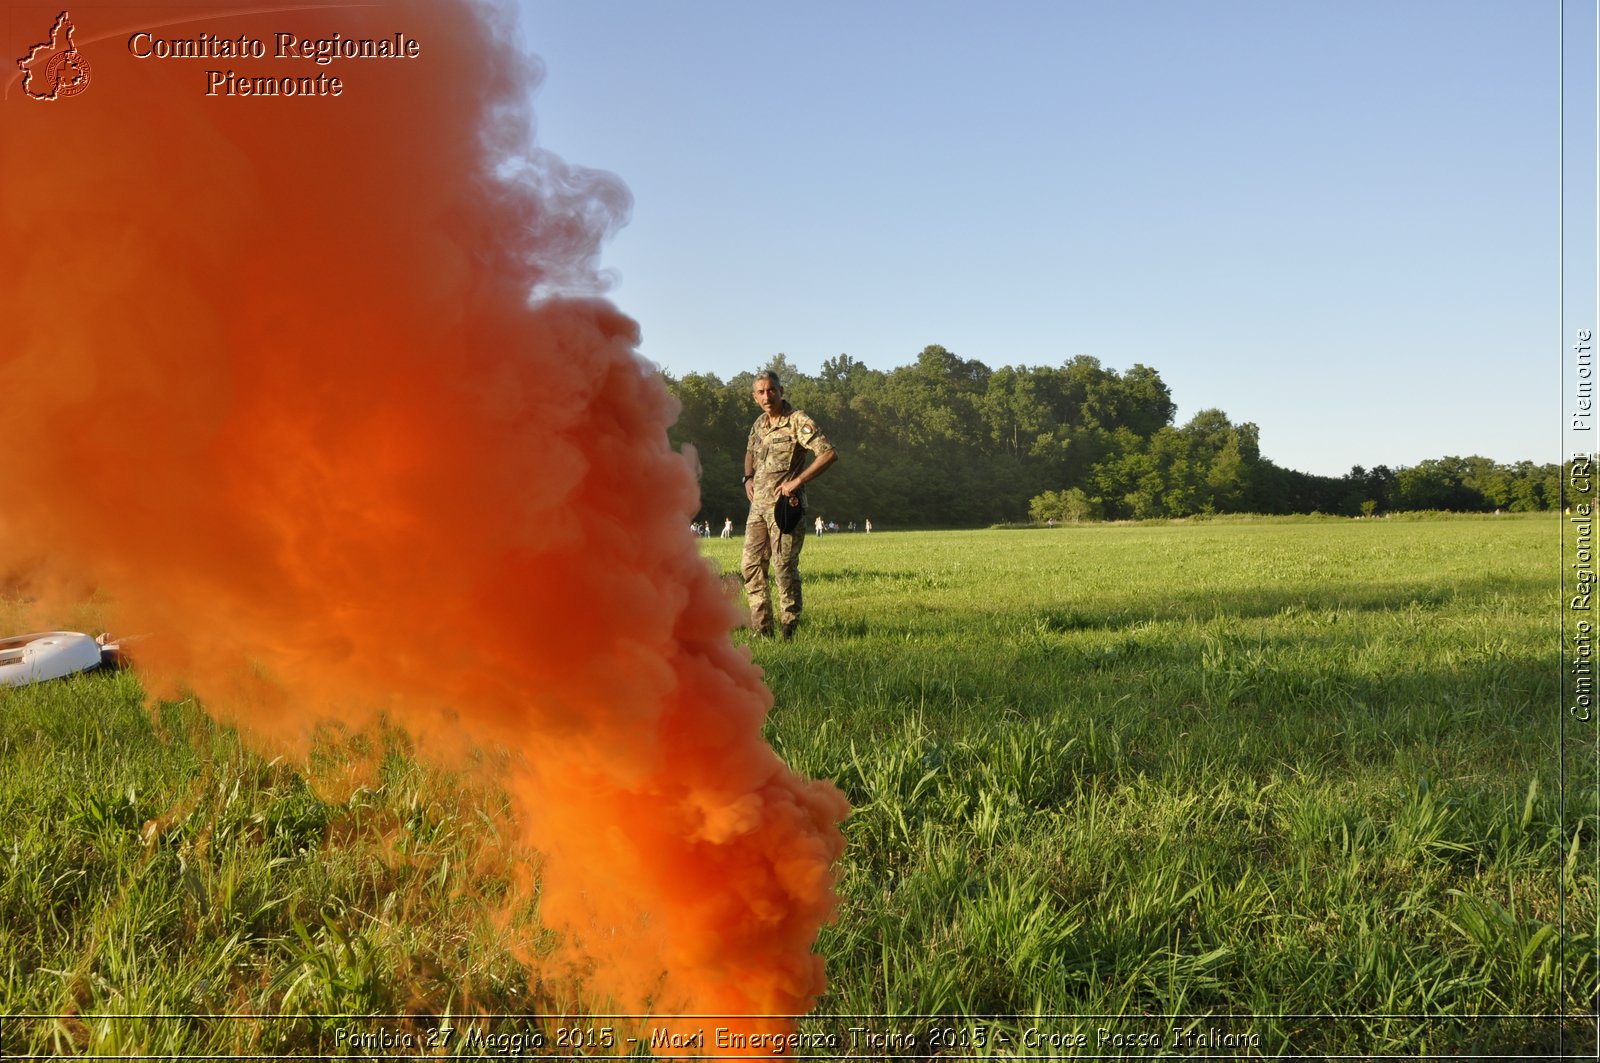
pixel 1250 787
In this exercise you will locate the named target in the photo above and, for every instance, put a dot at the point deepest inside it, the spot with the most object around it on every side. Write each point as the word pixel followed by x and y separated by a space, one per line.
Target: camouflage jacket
pixel 778 452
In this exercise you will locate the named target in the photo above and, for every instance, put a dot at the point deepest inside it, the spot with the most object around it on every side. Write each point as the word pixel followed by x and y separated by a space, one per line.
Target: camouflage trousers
pixel 763 543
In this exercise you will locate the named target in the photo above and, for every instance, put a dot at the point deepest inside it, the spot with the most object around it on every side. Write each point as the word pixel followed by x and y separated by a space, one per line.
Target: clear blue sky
pixel 1337 220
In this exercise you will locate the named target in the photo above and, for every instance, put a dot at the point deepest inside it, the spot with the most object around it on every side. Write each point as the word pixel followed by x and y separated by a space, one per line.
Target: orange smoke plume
pixel 274 382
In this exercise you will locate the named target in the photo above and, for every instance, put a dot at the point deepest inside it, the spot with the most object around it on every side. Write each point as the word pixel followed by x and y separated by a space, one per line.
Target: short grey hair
pixel 769 375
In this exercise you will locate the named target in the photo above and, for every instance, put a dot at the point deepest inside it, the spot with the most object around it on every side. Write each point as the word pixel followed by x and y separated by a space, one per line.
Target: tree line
pixel 949 442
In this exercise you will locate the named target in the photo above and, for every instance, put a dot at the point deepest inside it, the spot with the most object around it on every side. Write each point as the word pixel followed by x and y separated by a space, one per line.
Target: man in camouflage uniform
pixel 774 472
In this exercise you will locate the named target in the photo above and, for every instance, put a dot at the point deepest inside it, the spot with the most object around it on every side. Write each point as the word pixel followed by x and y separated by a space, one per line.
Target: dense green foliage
pixel 1301 782
pixel 948 442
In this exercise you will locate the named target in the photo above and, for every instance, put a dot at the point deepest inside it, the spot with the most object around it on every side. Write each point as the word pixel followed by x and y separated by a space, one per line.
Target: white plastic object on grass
pixel 51 655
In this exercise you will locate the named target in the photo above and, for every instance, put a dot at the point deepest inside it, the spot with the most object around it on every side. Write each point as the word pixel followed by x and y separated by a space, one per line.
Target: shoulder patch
pixel 806 430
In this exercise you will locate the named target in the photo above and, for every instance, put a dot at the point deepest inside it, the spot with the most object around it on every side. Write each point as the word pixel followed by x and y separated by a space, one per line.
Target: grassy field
pixel 1254 788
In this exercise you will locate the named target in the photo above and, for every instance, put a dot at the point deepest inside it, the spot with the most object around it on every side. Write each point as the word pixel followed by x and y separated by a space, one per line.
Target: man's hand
pixel 750 490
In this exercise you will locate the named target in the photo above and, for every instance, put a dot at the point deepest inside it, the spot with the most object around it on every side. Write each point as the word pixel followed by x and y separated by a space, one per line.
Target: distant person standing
pixel 869 525
pixel 727 527
pixel 820 526
pixel 775 474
